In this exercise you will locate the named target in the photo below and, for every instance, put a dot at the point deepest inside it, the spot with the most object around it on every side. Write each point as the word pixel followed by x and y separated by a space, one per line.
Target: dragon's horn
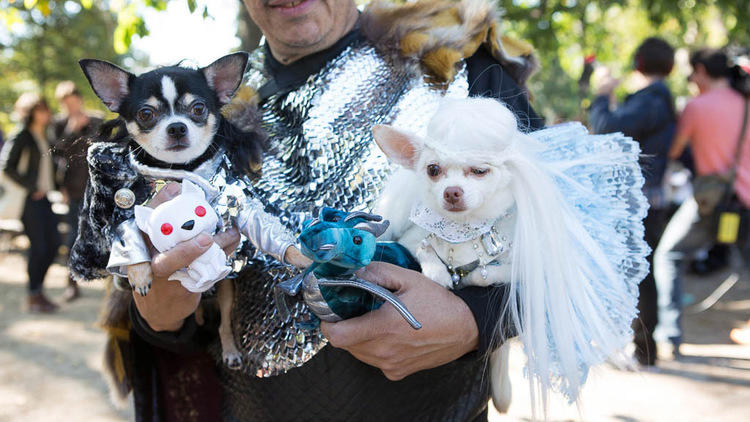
pixel 376 228
pixel 364 215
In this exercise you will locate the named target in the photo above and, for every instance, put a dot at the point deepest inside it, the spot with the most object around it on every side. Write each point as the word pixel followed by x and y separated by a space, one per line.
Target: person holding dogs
pixel 326 76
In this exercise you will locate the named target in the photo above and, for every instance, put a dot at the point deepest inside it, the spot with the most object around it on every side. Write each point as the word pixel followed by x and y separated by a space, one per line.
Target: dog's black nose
pixel 188 225
pixel 177 130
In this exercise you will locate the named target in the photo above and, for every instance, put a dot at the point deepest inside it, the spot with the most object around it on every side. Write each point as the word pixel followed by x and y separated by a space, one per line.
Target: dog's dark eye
pixel 145 114
pixel 433 170
pixel 479 171
pixel 198 109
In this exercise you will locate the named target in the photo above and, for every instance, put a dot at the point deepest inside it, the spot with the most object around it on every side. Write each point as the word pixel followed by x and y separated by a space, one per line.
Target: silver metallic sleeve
pixel 128 248
pixel 264 230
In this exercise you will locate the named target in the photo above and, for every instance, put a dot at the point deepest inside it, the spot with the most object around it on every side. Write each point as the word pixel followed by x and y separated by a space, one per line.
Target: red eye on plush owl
pixel 166 229
pixel 200 211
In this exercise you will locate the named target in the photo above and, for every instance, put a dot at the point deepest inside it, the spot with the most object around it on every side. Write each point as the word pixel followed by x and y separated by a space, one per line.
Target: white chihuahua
pixel 462 213
pixel 557 217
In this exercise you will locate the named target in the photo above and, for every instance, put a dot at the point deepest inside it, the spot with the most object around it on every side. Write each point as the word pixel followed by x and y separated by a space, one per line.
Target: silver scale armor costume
pixel 318 113
pixel 322 154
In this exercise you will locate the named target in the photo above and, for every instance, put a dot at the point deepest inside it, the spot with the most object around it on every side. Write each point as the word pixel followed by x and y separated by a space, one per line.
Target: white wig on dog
pixel 578 252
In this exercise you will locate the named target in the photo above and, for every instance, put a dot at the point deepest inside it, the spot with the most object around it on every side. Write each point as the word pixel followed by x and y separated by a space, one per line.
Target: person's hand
pixel 37 195
pixel 167 303
pixel 294 257
pixel 383 339
pixel 607 85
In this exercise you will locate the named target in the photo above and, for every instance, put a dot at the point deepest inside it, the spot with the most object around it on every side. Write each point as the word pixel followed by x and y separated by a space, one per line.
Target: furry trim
pixel 434 36
pixel 109 170
pixel 242 112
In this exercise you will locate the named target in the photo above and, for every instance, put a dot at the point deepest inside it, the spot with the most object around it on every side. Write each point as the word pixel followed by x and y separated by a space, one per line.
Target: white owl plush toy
pixel 181 219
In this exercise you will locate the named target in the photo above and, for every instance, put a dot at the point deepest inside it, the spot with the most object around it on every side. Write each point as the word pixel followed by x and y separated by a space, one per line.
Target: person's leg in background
pixel 685 233
pixel 37 219
pixel 648 307
pixel 741 335
pixel 72 292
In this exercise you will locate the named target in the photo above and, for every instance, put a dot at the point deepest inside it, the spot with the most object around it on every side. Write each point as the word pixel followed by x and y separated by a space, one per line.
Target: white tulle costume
pixel 575 253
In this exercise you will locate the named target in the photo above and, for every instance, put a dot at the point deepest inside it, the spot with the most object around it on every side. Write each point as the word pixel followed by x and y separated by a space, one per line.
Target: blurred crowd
pixel 708 138
pixel 48 153
pixel 707 228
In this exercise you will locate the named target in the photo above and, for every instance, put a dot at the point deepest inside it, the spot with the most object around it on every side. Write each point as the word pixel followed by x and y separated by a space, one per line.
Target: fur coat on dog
pixel 110 169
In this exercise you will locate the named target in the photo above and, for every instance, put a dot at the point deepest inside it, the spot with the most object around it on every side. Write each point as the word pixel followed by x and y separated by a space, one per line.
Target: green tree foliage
pixel 564 32
pixel 42 43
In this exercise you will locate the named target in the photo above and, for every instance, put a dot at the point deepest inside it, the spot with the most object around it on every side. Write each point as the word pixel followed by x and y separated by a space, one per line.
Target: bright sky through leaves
pixel 176 34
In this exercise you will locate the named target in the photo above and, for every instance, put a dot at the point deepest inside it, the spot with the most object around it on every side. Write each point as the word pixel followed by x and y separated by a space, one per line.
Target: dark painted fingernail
pixel 204 240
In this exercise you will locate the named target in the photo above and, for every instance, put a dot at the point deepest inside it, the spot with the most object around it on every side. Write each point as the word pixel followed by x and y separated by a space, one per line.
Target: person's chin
pixel 305 35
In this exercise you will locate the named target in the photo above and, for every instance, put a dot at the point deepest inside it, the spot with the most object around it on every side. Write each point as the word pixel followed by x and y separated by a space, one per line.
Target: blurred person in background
pixel 36 175
pixel 73 124
pixel 711 124
pixel 648 117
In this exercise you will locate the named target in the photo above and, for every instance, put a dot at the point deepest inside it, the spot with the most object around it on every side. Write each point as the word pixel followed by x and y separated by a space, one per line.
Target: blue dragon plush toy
pixel 340 243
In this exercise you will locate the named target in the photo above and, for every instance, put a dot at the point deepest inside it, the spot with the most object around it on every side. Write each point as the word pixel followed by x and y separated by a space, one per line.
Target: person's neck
pixel 651 79
pixel 286 56
pixel 715 84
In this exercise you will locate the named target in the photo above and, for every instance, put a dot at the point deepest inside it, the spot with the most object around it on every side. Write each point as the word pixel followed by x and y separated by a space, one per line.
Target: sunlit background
pixel 42 40
pixel 176 34
pixel 44 374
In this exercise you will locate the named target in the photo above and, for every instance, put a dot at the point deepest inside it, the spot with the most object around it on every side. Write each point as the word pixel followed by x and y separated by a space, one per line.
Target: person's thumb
pixel 166 263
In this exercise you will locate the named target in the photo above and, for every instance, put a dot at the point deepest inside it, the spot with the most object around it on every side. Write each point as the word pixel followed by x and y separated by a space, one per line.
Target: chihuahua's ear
pixel 189 188
pixel 142 214
pixel 225 75
pixel 110 83
pixel 400 147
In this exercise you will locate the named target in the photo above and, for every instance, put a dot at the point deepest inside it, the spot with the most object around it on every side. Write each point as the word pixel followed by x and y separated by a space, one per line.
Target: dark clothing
pixel 344 387
pixel 40 225
pixel 648 117
pixel 20 145
pixel 337 374
pixel 74 207
pixel 39 222
pixel 648 306
pixel 488 79
pixel 71 149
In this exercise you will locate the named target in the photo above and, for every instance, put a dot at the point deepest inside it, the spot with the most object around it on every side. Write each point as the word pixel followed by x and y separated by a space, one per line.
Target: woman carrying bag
pixel 27 161
pixel 715 124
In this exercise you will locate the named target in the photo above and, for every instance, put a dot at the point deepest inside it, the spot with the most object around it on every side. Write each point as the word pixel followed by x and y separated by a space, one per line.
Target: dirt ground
pixel 50 365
